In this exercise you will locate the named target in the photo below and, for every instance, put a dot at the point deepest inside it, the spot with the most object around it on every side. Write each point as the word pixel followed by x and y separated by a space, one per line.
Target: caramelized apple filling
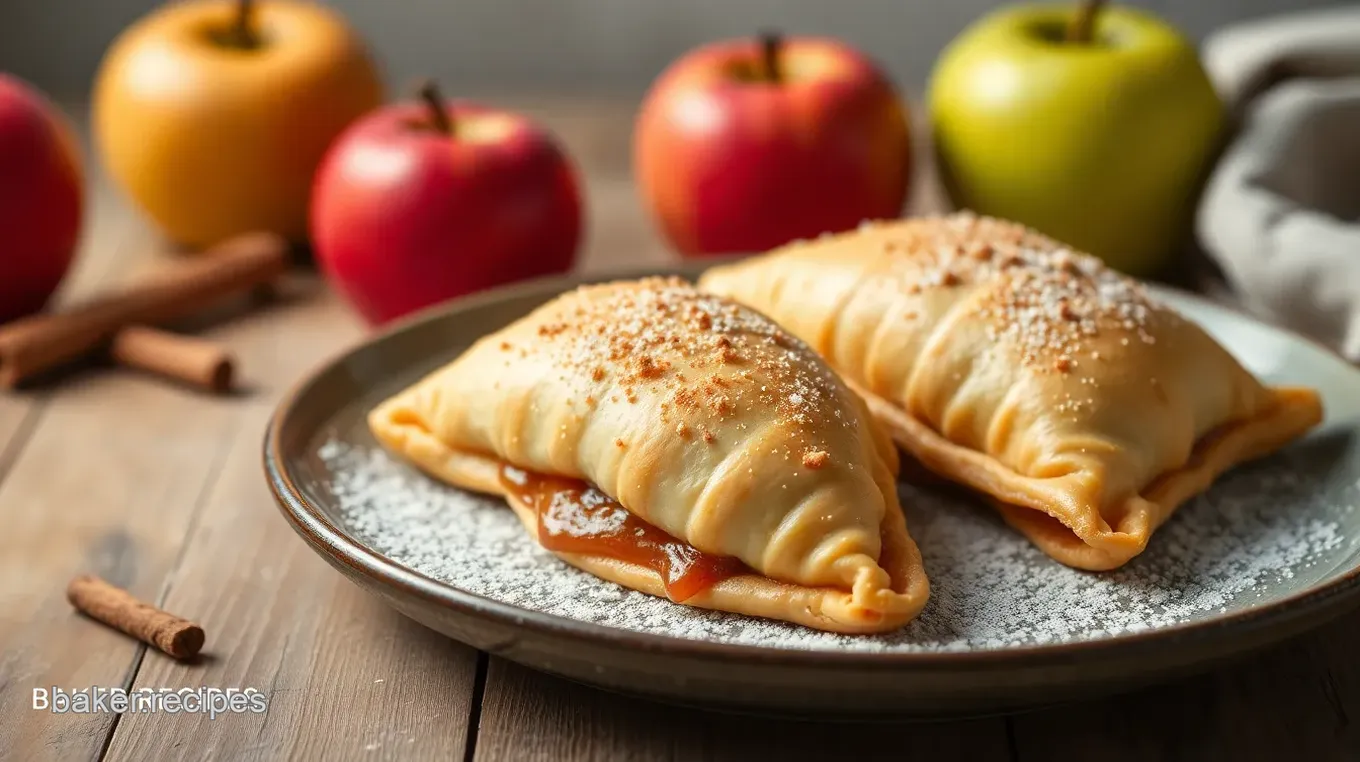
pixel 576 517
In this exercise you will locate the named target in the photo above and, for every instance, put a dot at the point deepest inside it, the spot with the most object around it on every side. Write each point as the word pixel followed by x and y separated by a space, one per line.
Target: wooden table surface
pixel 159 489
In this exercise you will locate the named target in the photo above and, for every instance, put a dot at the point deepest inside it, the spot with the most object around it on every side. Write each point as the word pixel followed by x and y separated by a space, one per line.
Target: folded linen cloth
pixel 1281 212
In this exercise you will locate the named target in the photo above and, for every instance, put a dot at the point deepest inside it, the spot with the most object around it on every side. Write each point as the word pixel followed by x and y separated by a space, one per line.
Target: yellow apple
pixel 213 115
pixel 1095 126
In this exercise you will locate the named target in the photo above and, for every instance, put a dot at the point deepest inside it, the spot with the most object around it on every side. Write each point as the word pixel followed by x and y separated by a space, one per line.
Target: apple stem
pixel 243 30
pixel 1083 25
pixel 439 116
pixel 770 45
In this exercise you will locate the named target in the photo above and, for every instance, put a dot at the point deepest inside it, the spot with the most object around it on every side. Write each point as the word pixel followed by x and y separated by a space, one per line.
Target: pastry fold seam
pixel 1046 515
pixel 866 608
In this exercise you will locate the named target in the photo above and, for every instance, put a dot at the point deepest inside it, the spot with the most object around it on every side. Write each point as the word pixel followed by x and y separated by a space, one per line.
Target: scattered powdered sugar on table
pixel 990 588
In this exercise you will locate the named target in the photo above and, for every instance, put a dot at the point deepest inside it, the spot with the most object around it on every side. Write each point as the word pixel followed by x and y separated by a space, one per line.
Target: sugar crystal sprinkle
pixel 1037 294
pixel 990 589
pixel 641 337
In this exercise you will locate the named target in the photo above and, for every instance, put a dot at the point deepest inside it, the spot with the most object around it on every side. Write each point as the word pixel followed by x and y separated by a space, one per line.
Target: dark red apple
pixel 424 201
pixel 40 199
pixel 747 144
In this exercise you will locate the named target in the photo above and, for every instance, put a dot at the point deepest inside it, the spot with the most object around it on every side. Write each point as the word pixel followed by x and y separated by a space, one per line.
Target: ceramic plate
pixel 1271 550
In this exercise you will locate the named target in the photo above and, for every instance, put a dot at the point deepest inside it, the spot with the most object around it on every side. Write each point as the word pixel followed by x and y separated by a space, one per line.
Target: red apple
pixel 747 144
pixel 40 199
pixel 421 202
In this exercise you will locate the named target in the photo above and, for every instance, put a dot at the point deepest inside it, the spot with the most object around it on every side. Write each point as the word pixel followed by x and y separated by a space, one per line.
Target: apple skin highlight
pixel 212 139
pixel 41 190
pixel 731 161
pixel 1103 145
pixel 404 216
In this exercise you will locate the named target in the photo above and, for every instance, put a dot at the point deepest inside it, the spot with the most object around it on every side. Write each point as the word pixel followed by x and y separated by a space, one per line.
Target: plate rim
pixel 1321 602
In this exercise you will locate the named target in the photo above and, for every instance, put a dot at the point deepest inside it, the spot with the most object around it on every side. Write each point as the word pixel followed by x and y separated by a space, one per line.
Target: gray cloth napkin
pixel 1281 213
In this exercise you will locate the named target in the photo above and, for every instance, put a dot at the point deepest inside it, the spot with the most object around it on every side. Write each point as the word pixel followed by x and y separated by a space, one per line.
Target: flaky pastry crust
pixel 700 417
pixel 1034 374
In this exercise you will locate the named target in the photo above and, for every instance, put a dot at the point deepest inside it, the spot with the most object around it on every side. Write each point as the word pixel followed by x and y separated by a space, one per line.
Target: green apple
pixel 1093 125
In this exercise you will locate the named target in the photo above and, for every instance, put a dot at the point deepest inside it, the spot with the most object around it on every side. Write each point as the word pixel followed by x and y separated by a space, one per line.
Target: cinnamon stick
pixel 193 361
pixel 41 342
pixel 118 609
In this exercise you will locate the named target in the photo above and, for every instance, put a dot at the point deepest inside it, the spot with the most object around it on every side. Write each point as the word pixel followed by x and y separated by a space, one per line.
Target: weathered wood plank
pixel 619 236
pixel 13 424
pixel 107 484
pixel 1298 701
pixel 103 480
pixel 530 716
pixel 345 676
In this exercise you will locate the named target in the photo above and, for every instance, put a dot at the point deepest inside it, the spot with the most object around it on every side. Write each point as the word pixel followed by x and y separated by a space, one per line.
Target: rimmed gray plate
pixel 1299 544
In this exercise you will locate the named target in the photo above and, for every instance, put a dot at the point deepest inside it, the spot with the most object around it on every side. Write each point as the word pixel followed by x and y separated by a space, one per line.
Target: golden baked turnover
pixel 1034 374
pixel 676 443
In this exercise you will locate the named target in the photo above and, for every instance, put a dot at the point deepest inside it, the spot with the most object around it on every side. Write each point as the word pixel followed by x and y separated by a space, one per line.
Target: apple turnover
pixel 676 443
pixel 1004 361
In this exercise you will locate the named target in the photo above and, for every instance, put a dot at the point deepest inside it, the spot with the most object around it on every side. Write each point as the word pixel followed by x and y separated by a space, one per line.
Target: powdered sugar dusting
pixel 990 589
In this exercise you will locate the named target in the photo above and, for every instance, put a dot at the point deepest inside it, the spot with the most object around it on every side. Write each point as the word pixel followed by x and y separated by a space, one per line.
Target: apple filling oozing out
pixel 576 517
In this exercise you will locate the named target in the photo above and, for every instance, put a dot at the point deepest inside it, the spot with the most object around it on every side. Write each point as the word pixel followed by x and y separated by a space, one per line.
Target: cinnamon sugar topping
pixel 1043 298
pixel 815 459
pixel 694 356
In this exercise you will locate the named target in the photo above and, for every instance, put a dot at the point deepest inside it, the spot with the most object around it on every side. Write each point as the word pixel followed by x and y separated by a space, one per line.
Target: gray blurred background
pixel 576 46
